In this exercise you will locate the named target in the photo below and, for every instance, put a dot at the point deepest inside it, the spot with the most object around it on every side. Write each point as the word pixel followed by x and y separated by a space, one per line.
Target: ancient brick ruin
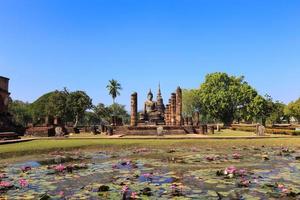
pixel 7 126
pixel 156 114
pixel 4 94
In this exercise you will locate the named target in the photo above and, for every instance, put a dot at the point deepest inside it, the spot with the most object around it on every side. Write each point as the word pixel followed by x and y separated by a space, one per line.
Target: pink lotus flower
pixel 230 170
pixel 114 166
pixel 236 156
pixel 23 183
pixel 280 186
pixel 60 168
pixel 173 186
pixel 2 176
pixel 210 158
pixel 61 193
pixel 147 175
pixel 5 184
pixel 125 189
pixel 25 168
pixel 133 195
pixel 242 172
pixel 244 183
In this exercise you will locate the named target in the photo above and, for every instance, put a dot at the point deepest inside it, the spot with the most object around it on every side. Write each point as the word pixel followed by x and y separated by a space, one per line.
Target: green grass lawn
pixel 37 147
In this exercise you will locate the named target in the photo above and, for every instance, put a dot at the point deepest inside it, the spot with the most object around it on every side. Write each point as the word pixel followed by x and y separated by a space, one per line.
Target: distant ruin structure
pixel 7 126
pixel 4 94
pixel 155 112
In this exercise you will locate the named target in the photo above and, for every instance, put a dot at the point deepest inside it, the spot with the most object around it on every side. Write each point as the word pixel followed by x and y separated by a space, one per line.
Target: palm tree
pixel 113 89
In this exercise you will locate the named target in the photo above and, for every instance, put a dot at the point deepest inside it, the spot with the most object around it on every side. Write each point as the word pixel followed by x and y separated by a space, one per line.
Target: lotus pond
pixel 237 170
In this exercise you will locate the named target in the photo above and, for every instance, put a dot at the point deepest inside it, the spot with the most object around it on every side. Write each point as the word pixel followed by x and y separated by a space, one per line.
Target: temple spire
pixel 159 92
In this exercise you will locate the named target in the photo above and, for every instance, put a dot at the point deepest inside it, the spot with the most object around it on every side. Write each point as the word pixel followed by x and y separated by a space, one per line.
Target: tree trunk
pixel 76 120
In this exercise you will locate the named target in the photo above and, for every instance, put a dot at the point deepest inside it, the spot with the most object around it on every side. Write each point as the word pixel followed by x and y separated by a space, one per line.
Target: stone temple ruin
pixel 7 126
pixel 156 115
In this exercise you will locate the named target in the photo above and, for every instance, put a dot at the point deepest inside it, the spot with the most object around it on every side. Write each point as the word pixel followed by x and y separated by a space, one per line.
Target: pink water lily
pixel 23 183
pixel 236 156
pixel 133 195
pixel 242 172
pixel 60 168
pixel 230 170
pixel 61 193
pixel 147 175
pixel 125 189
pixel 5 184
pixel 114 166
pixel 2 176
pixel 25 168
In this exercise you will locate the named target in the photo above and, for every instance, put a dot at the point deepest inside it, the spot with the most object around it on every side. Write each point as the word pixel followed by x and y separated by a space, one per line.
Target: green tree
pixel 38 107
pixel 277 114
pixel 190 102
pixel 20 111
pixel 222 96
pixel 57 105
pixel 119 110
pixel 293 109
pixel 68 106
pixel 90 118
pixel 102 112
pixel 77 103
pixel 114 89
pixel 260 108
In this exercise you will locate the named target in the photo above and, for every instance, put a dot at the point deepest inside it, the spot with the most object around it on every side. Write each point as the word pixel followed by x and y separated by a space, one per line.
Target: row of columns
pixel 173 112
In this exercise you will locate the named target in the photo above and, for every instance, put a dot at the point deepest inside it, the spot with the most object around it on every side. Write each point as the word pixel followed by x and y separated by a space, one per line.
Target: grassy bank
pixel 45 146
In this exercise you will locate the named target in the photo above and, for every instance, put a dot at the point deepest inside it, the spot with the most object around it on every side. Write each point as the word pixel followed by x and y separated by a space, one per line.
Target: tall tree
pixel 114 89
pixel 190 102
pixel 78 102
pixel 20 111
pixel 293 109
pixel 222 96
pixel 260 108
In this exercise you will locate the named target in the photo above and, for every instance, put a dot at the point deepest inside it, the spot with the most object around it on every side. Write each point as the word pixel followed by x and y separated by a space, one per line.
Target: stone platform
pixel 167 130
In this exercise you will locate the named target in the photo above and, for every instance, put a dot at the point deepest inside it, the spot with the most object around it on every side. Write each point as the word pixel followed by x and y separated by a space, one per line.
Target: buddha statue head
pixel 150 95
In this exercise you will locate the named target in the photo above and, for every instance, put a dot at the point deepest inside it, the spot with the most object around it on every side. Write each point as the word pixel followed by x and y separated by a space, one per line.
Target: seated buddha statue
pixel 150 111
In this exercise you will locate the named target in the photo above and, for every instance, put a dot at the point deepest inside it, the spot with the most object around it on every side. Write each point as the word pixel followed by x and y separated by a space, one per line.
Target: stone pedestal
pixel 133 115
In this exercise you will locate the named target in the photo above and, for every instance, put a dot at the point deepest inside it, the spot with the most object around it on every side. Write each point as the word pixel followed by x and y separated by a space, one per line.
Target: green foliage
pixel 20 111
pixel 293 109
pixel 120 111
pixel 223 96
pixel 78 102
pixel 90 118
pixel 102 112
pixel 38 107
pixel 69 106
pixel 190 102
pixel 57 105
pixel 113 89
pixel 277 114
pixel 106 112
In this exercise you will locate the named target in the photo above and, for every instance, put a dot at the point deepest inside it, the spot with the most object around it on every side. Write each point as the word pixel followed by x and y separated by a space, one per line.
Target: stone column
pixel 178 106
pixel 170 112
pixel 133 114
pixel 173 109
pixel 167 114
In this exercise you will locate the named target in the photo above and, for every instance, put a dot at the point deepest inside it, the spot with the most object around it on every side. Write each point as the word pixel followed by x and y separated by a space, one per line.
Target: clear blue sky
pixel 51 44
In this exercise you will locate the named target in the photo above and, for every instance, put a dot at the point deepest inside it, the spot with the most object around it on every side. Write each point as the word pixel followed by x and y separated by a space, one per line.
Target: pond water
pixel 180 173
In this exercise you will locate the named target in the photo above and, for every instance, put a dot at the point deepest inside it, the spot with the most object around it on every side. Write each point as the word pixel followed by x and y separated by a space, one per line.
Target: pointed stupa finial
pixel 159 92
